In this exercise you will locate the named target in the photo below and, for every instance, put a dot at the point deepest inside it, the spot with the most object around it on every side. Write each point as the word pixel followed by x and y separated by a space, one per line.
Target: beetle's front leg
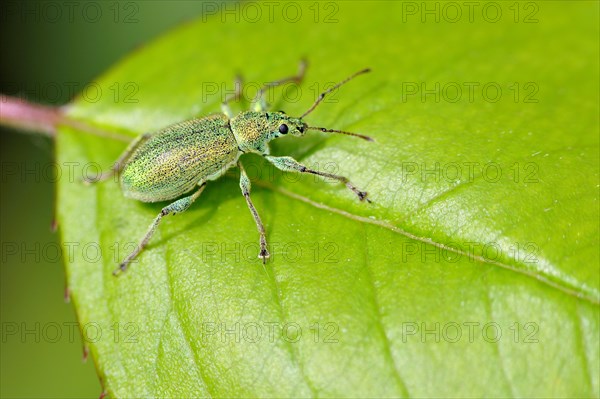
pixel 120 162
pixel 259 103
pixel 176 207
pixel 289 164
pixel 245 187
pixel 233 97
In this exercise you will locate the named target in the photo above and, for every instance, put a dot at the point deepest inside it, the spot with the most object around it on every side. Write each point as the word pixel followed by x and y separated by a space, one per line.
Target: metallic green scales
pixel 172 161
pixel 253 130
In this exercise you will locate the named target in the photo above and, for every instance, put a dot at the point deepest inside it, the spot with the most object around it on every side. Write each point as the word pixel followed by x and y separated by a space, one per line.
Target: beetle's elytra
pixel 170 162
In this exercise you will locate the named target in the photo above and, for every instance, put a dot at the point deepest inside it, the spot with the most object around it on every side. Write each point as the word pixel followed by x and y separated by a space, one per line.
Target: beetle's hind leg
pixel 120 162
pixel 245 187
pixel 259 103
pixel 176 207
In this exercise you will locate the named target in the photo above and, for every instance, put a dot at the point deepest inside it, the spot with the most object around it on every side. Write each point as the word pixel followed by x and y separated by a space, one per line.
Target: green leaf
pixel 474 272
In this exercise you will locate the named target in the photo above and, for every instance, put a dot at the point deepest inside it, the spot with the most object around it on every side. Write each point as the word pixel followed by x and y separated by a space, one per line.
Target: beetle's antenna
pixel 322 129
pixel 322 95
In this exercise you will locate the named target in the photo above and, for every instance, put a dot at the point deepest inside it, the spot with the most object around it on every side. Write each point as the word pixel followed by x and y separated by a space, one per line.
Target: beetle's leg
pixel 120 162
pixel 245 186
pixel 289 164
pixel 259 103
pixel 176 207
pixel 232 97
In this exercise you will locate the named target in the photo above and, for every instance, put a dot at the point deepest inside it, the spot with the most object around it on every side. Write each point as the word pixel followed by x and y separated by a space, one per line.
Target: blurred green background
pixel 50 50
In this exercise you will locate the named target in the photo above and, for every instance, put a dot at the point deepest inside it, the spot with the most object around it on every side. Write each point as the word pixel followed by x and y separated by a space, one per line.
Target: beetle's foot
pixel 87 181
pixel 98 178
pixel 363 196
pixel 121 269
pixel 264 254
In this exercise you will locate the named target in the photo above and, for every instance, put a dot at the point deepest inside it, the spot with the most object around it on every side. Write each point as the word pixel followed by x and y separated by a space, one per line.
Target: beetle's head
pixel 254 129
pixel 280 124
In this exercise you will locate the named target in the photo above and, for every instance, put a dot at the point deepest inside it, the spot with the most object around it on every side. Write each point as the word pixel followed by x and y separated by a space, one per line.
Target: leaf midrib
pixel 564 288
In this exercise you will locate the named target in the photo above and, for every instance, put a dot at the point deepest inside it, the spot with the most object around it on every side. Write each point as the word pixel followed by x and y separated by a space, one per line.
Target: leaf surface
pixel 474 272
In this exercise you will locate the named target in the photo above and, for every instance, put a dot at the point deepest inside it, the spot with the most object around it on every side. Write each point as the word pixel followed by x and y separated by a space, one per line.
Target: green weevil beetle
pixel 170 162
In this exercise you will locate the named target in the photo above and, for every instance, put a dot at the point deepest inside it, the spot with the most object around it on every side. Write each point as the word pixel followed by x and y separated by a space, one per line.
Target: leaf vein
pixel 583 293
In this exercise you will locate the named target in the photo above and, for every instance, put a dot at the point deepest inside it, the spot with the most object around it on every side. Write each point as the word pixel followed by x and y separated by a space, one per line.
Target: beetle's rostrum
pixel 170 162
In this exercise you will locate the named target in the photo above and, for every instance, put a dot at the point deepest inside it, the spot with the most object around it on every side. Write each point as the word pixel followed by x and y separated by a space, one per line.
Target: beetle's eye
pixel 283 129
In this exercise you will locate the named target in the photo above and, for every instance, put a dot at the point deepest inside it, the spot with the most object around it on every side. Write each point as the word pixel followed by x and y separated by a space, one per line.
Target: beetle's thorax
pixel 253 130
pixel 249 129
